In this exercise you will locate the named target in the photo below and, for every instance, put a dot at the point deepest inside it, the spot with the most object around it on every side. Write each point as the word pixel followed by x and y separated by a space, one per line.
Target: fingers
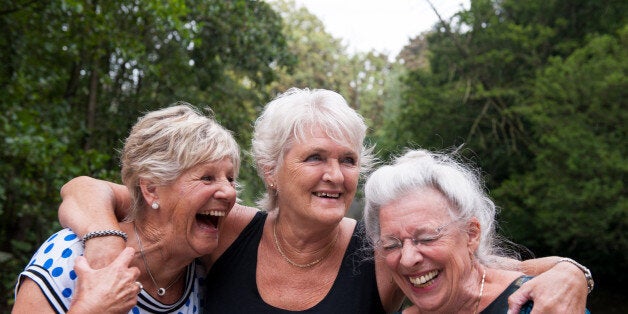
pixel 124 258
pixel 81 265
pixel 517 300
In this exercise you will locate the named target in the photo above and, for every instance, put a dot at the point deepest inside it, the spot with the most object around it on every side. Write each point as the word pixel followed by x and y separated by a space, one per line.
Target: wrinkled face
pixel 197 202
pixel 433 265
pixel 318 179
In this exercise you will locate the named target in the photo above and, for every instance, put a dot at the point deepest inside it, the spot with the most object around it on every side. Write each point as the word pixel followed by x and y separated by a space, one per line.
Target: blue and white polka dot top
pixel 52 269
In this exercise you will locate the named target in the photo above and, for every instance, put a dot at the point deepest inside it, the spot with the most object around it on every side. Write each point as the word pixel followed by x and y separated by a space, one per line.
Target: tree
pixel 573 202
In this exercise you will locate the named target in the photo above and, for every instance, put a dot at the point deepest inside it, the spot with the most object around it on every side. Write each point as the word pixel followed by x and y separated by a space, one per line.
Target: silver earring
pixel 155 205
pixel 272 185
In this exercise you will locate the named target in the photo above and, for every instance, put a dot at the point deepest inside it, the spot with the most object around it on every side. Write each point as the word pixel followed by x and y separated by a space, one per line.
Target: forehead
pixel 424 207
pixel 225 164
pixel 316 138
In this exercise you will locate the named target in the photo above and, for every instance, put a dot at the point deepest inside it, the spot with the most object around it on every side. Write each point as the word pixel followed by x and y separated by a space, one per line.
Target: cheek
pixel 351 177
pixel 458 259
pixel 391 261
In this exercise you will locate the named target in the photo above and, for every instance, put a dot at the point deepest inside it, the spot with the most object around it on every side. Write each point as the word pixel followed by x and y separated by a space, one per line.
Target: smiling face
pixel 196 203
pixel 318 179
pixel 433 273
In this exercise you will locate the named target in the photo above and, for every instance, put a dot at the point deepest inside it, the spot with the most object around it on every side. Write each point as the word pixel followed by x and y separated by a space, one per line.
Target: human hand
pixel 112 289
pixel 561 289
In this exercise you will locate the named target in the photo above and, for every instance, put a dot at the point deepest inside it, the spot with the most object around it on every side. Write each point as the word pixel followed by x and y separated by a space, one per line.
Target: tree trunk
pixel 91 107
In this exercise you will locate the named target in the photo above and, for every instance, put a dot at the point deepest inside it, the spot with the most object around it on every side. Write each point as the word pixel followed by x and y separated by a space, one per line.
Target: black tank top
pixel 231 286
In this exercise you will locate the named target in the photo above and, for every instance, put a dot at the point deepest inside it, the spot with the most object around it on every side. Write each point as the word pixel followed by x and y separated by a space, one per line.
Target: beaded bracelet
pixel 103 233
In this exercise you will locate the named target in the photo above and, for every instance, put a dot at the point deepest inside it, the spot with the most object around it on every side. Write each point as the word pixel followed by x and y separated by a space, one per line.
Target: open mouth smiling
pixel 210 217
pixel 425 280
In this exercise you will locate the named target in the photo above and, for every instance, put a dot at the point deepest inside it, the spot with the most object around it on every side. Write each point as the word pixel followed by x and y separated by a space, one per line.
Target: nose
pixel 410 254
pixel 226 190
pixel 333 172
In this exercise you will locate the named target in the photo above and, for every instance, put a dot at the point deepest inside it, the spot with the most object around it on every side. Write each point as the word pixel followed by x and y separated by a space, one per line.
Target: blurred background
pixel 534 90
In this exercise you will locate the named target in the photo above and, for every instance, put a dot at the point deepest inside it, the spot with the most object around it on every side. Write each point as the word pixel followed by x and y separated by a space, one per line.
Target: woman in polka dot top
pixel 180 168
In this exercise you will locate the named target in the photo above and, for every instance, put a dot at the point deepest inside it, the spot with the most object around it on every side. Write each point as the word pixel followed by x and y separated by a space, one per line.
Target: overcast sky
pixel 383 25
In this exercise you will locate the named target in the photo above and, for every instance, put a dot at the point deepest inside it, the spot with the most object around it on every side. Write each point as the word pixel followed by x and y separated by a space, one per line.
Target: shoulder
pixel 60 248
pixel 52 267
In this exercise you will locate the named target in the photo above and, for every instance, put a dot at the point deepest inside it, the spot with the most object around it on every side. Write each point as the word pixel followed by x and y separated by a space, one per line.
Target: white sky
pixel 383 25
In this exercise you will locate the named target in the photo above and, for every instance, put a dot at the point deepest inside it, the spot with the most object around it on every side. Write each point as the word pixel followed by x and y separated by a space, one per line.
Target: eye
pixel 207 178
pixel 315 157
pixel 349 160
pixel 427 239
pixel 390 244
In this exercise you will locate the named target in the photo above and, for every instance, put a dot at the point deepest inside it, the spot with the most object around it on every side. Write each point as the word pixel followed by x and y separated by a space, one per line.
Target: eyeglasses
pixel 423 237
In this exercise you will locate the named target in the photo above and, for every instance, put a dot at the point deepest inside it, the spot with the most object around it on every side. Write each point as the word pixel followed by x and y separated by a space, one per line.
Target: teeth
pixel 323 194
pixel 218 213
pixel 422 280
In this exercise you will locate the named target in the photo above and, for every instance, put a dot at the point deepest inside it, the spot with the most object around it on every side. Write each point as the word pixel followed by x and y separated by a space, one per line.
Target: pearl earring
pixel 155 205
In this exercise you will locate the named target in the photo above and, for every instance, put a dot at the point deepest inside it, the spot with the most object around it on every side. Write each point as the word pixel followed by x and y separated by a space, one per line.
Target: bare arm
pixel 30 299
pixel 92 205
pixel 557 288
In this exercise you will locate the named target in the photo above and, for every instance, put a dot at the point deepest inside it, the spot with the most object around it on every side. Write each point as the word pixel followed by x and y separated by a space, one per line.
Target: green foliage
pixel 575 195
pixel 37 158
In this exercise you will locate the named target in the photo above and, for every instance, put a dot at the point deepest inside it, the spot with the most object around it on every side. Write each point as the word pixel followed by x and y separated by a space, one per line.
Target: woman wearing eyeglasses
pixel 434 227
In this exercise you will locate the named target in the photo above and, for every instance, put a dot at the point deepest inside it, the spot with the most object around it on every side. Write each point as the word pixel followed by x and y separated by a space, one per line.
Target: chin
pixel 208 248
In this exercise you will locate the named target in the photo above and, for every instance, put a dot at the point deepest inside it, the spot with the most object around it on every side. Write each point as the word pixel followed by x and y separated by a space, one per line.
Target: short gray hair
pixel 163 144
pixel 459 183
pixel 292 116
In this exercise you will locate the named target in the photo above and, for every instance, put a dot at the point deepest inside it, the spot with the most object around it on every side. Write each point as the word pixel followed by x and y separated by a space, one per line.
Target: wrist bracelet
pixel 586 271
pixel 103 233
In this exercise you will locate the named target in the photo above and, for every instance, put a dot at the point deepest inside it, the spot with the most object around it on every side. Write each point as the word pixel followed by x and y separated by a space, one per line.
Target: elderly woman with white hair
pixel 433 226
pixel 300 253
pixel 179 169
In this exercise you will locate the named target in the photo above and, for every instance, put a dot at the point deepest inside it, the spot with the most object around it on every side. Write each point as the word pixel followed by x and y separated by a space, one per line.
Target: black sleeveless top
pixel 231 286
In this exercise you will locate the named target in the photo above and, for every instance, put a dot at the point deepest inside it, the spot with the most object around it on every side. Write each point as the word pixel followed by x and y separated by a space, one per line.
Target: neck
pixel 302 252
pixel 161 273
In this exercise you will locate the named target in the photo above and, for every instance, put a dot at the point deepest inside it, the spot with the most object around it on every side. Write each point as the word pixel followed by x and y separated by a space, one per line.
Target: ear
pixel 474 231
pixel 149 191
pixel 269 178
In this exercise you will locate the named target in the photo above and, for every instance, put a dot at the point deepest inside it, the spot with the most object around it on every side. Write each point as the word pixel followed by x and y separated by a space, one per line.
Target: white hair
pixel 293 116
pixel 460 184
pixel 163 144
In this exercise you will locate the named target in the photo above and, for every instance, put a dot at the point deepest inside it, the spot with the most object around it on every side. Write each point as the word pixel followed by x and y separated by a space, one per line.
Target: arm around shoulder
pixel 90 205
pixel 559 286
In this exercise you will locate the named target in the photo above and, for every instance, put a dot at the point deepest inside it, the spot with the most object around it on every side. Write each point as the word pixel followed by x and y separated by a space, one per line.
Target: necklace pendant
pixel 161 292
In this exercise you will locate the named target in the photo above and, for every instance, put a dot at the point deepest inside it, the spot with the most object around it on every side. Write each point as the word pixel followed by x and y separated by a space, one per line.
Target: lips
pixel 424 280
pixel 327 195
pixel 210 218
